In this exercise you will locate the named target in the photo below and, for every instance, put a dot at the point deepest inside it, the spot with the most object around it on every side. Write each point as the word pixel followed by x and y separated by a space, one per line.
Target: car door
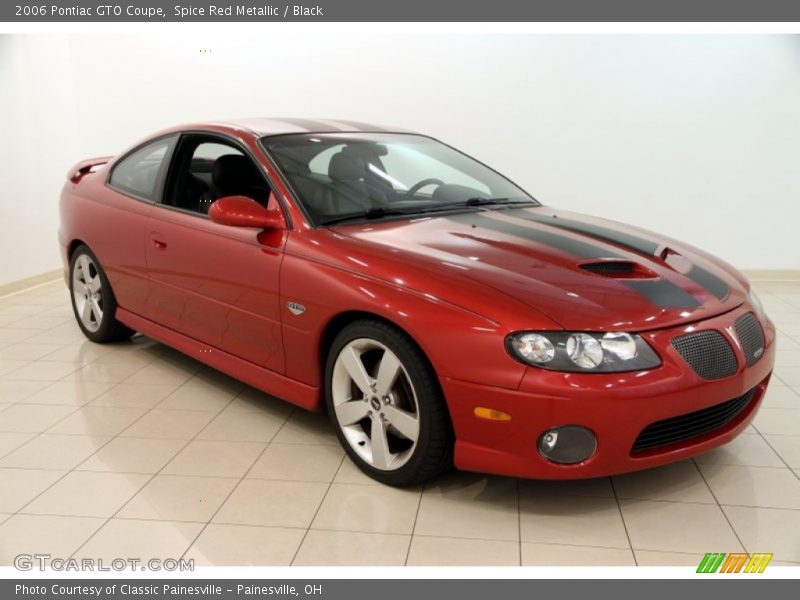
pixel 131 189
pixel 215 283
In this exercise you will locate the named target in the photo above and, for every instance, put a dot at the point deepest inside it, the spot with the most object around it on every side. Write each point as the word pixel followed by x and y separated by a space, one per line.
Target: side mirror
pixel 241 211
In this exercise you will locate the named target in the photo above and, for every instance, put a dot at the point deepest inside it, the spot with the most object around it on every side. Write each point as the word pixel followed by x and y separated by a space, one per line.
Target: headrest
pixel 232 170
pixel 346 168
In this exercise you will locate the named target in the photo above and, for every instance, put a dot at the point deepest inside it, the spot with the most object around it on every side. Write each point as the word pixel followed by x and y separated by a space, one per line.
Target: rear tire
pixel 386 404
pixel 93 301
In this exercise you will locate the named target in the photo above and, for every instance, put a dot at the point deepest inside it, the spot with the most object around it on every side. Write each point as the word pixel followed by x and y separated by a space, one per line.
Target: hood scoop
pixel 618 269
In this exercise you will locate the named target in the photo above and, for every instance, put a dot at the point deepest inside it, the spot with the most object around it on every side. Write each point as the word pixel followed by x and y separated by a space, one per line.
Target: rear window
pixel 137 173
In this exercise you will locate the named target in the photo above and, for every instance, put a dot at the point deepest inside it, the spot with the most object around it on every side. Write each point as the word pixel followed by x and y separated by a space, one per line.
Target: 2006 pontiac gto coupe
pixel 440 313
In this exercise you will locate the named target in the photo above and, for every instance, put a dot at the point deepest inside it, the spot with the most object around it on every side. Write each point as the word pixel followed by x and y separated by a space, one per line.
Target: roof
pixel 275 126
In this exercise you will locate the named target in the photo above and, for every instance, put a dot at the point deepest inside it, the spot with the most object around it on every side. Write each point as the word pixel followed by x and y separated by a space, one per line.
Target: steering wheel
pixel 421 184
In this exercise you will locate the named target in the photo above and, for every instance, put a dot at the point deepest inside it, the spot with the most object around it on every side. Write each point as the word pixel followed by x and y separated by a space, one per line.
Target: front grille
pixel 691 425
pixel 751 336
pixel 708 353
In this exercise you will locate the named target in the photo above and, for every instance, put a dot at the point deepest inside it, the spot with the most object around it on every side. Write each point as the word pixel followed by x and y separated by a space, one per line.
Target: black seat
pixel 236 175
pixel 341 192
pixel 193 192
pixel 354 187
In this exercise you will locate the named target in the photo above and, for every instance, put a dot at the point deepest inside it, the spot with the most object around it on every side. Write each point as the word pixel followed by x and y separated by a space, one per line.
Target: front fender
pixel 459 343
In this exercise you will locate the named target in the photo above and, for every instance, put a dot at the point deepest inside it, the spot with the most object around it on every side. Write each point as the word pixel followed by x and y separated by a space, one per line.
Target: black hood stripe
pixel 699 275
pixel 608 235
pixel 708 280
pixel 565 244
pixel 663 293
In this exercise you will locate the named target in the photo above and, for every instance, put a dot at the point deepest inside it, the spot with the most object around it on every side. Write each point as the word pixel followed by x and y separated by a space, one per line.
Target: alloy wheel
pixel 87 292
pixel 375 404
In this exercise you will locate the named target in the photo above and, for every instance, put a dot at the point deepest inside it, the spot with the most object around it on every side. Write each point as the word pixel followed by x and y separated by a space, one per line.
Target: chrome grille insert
pixel 751 337
pixel 708 353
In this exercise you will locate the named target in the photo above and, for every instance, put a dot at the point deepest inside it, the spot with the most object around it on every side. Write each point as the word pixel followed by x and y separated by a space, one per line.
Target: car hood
pixel 582 272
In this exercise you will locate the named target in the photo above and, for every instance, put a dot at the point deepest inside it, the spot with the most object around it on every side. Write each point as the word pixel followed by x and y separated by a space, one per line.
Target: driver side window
pixel 206 169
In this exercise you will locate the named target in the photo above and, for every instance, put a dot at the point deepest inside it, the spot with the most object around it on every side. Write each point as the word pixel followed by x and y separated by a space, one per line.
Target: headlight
pixel 582 352
pixel 755 302
pixel 534 348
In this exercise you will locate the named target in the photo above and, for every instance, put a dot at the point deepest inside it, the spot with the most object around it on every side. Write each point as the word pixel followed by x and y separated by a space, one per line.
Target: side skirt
pixel 272 383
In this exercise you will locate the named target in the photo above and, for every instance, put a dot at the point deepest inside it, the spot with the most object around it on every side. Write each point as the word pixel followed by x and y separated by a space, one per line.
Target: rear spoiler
pixel 76 173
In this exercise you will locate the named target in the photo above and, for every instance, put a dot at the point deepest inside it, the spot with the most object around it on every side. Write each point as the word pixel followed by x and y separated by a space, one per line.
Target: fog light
pixel 567 445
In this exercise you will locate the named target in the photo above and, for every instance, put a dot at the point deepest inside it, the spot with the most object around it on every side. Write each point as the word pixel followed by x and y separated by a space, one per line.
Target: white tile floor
pixel 135 450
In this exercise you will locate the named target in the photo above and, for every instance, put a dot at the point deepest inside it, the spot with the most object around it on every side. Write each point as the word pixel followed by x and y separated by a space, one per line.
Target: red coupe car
pixel 437 311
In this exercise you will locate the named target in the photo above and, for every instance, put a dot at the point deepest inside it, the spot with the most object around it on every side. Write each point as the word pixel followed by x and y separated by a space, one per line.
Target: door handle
pixel 157 243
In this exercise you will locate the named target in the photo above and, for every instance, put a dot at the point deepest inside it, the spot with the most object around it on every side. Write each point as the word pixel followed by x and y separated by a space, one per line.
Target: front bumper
pixel 616 407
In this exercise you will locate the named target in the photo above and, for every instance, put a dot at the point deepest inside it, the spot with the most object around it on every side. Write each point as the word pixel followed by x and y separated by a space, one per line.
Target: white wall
pixel 694 136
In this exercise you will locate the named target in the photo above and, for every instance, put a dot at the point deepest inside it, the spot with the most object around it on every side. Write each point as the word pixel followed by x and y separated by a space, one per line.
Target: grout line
pixel 152 477
pixel 778 454
pixel 414 526
pixel 241 479
pixel 329 530
pixel 624 524
pixel 40 433
pixel 722 510
pixel 33 287
pixel 316 512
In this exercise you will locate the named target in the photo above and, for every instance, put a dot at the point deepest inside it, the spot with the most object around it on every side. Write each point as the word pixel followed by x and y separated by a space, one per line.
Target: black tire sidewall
pixel 430 402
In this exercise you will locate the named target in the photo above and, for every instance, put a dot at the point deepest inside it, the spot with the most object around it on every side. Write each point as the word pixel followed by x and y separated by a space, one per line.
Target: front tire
pixel 93 301
pixel 385 402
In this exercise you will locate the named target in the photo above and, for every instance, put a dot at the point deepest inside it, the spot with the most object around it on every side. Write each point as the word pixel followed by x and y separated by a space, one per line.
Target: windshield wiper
pixel 377 212
pixel 478 201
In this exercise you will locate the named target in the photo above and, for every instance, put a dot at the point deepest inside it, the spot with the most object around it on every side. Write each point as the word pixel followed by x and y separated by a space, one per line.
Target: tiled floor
pixel 134 450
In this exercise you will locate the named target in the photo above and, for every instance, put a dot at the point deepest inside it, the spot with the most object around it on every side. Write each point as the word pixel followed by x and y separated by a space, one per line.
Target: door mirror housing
pixel 241 211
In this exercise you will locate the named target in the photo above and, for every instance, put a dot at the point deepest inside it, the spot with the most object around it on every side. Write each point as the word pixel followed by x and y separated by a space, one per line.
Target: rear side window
pixel 137 173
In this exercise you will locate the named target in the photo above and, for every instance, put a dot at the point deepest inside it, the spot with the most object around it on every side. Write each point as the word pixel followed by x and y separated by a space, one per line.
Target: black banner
pixel 404 11
pixel 392 589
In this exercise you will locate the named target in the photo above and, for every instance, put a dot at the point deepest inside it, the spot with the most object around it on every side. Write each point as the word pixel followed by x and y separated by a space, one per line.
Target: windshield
pixel 340 177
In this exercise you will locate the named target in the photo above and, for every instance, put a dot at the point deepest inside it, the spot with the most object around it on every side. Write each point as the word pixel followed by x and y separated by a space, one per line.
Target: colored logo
pixel 735 562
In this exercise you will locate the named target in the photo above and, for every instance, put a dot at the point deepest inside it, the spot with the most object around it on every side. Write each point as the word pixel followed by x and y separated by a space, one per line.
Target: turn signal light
pixel 491 414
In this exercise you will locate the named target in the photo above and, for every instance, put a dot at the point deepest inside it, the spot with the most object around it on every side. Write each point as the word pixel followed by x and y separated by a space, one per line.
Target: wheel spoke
pixel 93 284
pixel 83 263
pixel 380 444
pixel 372 397
pixel 96 310
pixel 351 359
pixel 404 422
pixel 348 413
pixel 86 313
pixel 388 371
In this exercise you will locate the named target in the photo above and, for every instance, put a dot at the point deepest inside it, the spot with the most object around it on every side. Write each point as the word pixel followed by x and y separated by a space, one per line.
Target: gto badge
pixel 296 308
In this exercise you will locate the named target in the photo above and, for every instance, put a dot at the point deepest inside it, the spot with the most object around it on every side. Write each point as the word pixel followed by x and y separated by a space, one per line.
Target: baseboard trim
pixel 773 274
pixel 30 282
